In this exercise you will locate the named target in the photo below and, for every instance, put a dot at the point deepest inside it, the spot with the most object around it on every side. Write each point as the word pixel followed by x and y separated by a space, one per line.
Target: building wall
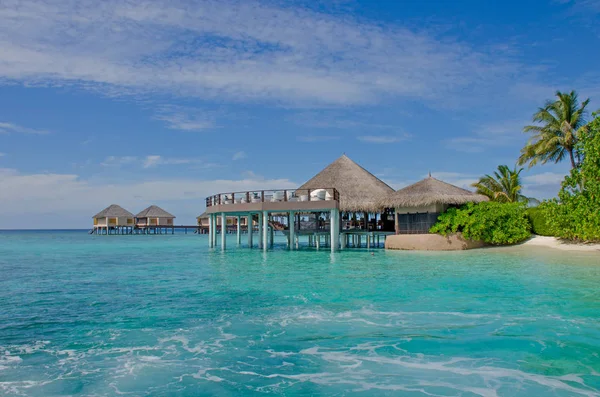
pixel 430 242
pixel 112 221
pixel 422 209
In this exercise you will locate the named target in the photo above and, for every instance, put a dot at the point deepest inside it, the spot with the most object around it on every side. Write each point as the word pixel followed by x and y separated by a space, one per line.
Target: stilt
pixel 211 229
pixel 249 222
pixel 271 233
pixel 318 241
pixel 265 222
pixel 239 230
pixel 292 225
pixel 261 219
pixel 223 231
pixel 334 227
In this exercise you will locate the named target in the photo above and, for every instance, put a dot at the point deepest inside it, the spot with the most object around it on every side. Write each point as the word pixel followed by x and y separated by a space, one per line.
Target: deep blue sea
pixel 85 315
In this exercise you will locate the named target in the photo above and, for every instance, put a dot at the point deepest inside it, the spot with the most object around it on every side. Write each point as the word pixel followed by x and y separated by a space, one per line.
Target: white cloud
pixel 7 128
pixel 239 50
pixel 317 138
pixel 24 197
pixel 185 119
pixel 239 156
pixel 2 154
pixel 490 135
pixel 151 161
pixel 380 139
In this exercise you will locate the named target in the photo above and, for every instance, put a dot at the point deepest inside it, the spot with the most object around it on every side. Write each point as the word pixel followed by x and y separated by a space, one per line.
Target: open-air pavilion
pixel 341 200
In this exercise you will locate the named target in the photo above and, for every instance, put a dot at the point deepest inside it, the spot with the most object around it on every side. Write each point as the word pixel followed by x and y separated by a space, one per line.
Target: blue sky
pixel 165 102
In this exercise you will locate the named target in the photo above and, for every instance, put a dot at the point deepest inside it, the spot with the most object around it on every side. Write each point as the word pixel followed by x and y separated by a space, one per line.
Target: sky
pixel 140 102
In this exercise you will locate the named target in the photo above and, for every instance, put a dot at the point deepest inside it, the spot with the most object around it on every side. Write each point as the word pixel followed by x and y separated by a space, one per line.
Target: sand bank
pixel 553 242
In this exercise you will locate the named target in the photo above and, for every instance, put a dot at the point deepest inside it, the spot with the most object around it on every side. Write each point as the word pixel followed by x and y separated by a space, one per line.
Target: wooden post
pixel 396 223
pixel 250 229
pixel 292 225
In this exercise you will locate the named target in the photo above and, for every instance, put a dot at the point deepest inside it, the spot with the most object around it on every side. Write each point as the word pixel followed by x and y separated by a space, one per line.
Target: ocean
pixel 85 315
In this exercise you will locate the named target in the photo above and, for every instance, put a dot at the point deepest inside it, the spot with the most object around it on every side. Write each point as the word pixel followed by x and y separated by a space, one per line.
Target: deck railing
pixel 278 195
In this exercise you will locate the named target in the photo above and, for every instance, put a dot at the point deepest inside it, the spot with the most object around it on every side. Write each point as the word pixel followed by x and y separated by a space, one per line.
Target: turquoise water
pixel 165 316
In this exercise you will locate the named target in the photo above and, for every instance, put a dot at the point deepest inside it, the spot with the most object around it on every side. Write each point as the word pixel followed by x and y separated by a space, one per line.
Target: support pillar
pixel 261 222
pixel 292 224
pixel 265 228
pixel 223 231
pixel 239 230
pixel 334 226
pixel 250 228
pixel 318 241
pixel 211 230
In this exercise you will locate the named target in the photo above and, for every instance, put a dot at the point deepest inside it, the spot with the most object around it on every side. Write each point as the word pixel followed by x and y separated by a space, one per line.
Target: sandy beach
pixel 553 242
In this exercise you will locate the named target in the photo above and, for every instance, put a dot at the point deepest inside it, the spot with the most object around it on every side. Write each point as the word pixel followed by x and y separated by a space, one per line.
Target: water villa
pixel 114 219
pixel 153 219
pixel 340 203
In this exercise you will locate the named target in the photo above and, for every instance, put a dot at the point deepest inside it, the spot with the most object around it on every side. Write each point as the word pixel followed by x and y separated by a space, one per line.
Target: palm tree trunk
pixel 572 156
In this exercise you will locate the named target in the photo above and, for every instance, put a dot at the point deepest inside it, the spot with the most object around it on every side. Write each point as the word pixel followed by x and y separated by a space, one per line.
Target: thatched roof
pixel 154 212
pixel 430 191
pixel 203 215
pixel 359 189
pixel 113 211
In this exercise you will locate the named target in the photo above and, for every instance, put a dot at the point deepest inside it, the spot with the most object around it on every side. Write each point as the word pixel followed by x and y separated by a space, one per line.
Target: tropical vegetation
pixel 490 222
pixel 504 186
pixel 576 214
pixel 539 222
pixel 556 132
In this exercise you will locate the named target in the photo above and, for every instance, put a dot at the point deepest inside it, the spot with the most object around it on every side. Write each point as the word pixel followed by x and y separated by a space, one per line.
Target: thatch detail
pixel 359 189
pixel 203 215
pixel 430 191
pixel 114 211
pixel 154 212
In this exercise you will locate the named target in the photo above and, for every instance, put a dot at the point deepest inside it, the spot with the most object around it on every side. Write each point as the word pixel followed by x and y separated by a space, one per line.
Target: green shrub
pixel 490 222
pixel 539 222
pixel 576 215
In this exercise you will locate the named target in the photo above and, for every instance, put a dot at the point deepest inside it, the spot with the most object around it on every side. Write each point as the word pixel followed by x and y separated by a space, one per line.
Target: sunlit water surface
pixel 163 315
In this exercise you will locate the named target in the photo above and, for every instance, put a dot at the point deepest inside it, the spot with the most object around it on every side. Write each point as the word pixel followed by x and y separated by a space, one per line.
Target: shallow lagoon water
pixel 164 315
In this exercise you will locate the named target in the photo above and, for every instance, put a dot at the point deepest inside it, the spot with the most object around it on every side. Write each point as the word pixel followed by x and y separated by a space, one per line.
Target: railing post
pixel 308 194
pixel 232 198
pixel 247 197
pixel 262 196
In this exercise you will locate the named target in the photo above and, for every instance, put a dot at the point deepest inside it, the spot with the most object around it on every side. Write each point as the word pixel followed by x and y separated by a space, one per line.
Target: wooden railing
pixel 278 195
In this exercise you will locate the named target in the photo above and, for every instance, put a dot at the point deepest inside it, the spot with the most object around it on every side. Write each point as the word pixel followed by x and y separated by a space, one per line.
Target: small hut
pixel 359 192
pixel 154 216
pixel 418 206
pixel 113 218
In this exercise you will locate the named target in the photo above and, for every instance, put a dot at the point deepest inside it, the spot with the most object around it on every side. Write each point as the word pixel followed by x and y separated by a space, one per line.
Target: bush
pixel 539 222
pixel 576 215
pixel 490 222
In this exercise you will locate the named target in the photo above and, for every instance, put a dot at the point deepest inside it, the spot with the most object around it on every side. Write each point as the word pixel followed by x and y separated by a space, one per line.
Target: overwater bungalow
pixel 341 200
pixel 154 218
pixel 203 222
pixel 114 219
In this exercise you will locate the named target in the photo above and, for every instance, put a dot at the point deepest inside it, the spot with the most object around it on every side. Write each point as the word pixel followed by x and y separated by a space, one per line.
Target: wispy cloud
pixel 239 156
pixel 2 154
pixel 381 139
pixel 7 128
pixel 79 198
pixel 152 161
pixel 490 135
pixel 237 50
pixel 185 119
pixel 317 138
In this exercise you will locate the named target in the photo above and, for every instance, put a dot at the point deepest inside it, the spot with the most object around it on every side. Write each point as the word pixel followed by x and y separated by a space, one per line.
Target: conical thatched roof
pixel 202 215
pixel 154 211
pixel 430 191
pixel 359 189
pixel 113 211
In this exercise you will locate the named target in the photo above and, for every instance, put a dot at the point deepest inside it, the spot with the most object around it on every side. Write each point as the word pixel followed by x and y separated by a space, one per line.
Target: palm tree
pixel 504 186
pixel 556 135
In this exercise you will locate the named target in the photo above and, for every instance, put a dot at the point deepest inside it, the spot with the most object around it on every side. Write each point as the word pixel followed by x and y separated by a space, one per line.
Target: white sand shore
pixel 553 242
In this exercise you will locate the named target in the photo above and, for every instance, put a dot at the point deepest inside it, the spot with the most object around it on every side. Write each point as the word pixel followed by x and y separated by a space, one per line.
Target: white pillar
pixel 265 228
pixel 223 231
pixel 334 226
pixel 292 223
pixel 318 237
pixel 211 230
pixel 261 222
pixel 239 230
pixel 250 227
